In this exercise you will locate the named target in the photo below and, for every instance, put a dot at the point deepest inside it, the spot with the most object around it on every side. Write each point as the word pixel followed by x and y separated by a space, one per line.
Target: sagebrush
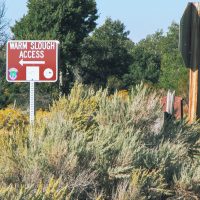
pixel 101 146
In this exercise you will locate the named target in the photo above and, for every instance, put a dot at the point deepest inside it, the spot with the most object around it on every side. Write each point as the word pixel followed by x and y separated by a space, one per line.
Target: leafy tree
pixel 146 61
pixel 156 59
pixel 106 54
pixel 174 75
pixel 68 21
pixel 153 42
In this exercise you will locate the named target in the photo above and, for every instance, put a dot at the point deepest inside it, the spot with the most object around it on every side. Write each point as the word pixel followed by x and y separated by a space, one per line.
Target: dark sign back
pixel 189 43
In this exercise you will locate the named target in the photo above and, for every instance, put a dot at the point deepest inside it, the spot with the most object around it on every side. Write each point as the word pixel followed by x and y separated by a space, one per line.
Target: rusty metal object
pixel 170 102
pixel 178 106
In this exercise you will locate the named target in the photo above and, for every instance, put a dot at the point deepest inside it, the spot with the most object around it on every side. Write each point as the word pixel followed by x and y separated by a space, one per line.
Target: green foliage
pixel 10 118
pixel 105 54
pixel 107 57
pixel 80 107
pixel 104 147
pixel 114 83
pixel 145 66
pixel 68 21
pixel 49 192
pixel 156 59
pixel 146 61
pixel 172 63
pixel 150 183
pixel 187 186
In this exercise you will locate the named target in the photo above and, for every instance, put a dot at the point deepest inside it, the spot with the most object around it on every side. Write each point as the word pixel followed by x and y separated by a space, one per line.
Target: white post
pixel 32 102
pixel 170 102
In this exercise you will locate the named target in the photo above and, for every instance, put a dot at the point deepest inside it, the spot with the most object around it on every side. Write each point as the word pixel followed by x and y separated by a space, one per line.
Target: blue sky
pixel 140 17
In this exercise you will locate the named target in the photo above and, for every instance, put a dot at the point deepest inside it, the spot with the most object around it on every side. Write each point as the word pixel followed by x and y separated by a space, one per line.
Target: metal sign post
pixel 190 50
pixel 32 103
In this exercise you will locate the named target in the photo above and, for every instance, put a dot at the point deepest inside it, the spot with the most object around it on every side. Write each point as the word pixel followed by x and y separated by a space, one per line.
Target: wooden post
pixel 194 99
pixel 193 95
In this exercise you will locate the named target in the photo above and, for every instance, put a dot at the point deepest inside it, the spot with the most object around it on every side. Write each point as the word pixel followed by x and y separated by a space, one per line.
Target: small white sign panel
pixel 32 73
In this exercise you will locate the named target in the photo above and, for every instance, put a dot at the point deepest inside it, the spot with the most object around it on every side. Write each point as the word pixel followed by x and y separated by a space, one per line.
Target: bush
pixel 10 118
pixel 104 147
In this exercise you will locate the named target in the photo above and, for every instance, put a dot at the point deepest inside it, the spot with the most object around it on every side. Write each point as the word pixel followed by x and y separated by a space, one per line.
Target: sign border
pixel 39 81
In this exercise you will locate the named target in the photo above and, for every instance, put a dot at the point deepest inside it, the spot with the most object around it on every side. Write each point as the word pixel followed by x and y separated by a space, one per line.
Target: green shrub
pixel 103 147
pixel 10 118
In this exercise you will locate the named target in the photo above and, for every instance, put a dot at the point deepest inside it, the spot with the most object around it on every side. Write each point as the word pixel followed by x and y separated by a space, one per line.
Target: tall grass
pixel 95 146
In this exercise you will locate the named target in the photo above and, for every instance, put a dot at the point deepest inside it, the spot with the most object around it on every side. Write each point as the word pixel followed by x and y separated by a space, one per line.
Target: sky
pixel 140 17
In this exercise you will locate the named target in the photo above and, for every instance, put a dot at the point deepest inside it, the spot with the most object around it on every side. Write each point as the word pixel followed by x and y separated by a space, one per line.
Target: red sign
pixel 32 60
